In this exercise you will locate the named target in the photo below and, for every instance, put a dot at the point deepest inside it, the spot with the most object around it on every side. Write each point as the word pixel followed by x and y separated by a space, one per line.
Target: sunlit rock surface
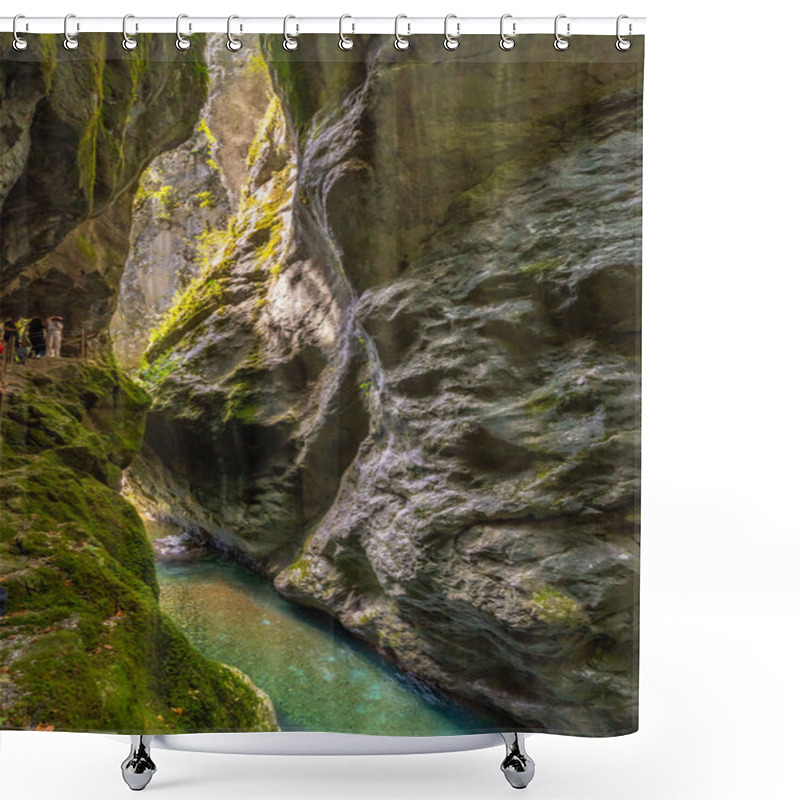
pixel 185 193
pixel 407 385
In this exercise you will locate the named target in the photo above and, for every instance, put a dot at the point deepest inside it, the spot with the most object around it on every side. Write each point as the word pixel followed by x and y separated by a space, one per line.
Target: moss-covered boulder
pixel 84 645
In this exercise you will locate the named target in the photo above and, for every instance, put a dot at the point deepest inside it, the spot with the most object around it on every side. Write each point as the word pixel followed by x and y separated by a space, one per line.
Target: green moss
pixel 257 224
pixel 256 65
pixel 539 267
pixel 242 402
pixel 48 49
pixel 304 92
pixel 161 368
pixel 299 571
pixel 205 200
pixel 86 247
pixel 540 403
pixel 266 131
pixel 201 69
pixel 153 190
pixel 293 84
pixel 84 644
pixel 555 608
pixel 87 157
pixel 202 126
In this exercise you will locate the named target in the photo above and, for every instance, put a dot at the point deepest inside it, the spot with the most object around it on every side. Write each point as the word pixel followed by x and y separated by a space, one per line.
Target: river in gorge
pixel 319 677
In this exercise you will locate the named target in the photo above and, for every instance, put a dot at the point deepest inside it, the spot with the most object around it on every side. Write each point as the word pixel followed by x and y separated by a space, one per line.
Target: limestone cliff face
pixel 185 194
pixel 407 386
pixel 79 128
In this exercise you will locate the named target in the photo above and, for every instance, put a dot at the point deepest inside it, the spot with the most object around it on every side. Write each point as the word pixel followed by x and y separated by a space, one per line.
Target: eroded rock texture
pixel 78 129
pixel 407 386
pixel 84 645
pixel 186 193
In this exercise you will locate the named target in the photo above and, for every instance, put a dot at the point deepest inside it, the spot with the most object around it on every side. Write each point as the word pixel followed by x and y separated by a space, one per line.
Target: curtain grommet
pixel 233 44
pixel 128 42
pixel 345 42
pixel 451 41
pixel 507 41
pixel 401 42
pixel 19 43
pixel 560 43
pixel 622 44
pixel 289 42
pixel 70 41
pixel 181 42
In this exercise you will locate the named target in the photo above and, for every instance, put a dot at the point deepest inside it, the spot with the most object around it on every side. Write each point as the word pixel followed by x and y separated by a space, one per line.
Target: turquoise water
pixel 320 678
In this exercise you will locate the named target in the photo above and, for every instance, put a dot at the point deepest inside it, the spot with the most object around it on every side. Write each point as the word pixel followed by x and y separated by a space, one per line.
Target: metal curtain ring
pixel 401 42
pixel 19 43
pixel 128 42
pixel 623 44
pixel 289 43
pixel 345 42
pixel 507 42
pixel 70 41
pixel 233 44
pixel 182 43
pixel 451 42
pixel 560 42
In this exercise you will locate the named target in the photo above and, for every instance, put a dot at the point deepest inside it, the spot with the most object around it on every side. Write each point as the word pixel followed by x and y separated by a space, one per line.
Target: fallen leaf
pixel 42 727
pixel 177 710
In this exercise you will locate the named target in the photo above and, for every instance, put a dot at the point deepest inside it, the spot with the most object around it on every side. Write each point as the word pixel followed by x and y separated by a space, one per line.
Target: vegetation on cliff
pixel 84 644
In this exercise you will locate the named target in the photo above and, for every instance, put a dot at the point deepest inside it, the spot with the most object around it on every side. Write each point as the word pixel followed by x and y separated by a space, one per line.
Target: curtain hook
pixel 451 42
pixel 19 43
pixel 182 43
pixel 401 42
pixel 289 43
pixel 128 42
pixel 507 42
pixel 345 42
pixel 623 44
pixel 561 43
pixel 70 42
pixel 233 44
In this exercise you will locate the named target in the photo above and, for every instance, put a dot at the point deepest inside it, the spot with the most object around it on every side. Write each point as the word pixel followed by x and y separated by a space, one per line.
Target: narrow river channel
pixel 319 677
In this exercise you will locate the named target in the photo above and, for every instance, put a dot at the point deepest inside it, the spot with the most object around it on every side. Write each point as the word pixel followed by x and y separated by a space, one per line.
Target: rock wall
pixel 185 194
pixel 83 642
pixel 407 385
pixel 81 126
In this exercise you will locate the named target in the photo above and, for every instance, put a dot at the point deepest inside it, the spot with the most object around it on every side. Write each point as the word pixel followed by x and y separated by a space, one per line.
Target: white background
pixel 720 602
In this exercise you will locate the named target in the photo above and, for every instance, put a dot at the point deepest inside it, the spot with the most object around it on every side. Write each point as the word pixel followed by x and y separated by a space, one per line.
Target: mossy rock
pixel 84 645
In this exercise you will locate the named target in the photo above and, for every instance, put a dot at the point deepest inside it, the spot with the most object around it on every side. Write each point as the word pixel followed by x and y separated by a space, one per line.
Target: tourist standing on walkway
pixel 55 330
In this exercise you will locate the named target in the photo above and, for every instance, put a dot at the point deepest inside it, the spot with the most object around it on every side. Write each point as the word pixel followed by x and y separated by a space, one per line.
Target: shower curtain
pixel 320 385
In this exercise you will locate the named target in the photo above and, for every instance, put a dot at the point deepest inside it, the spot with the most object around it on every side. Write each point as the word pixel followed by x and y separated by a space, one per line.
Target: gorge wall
pixel 84 644
pixel 404 380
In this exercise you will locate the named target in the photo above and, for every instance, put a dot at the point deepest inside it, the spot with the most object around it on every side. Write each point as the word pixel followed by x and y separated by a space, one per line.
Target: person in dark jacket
pixel 36 337
pixel 11 332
